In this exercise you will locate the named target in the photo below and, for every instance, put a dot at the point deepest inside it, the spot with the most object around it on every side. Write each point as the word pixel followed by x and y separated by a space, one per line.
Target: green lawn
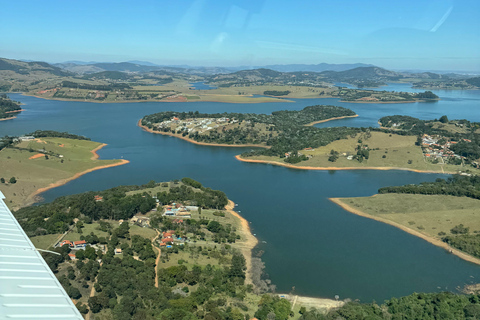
pixel 146 232
pixel 86 230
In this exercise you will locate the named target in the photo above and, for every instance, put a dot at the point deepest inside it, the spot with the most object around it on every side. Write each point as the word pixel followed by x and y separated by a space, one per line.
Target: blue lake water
pixel 202 86
pixel 310 243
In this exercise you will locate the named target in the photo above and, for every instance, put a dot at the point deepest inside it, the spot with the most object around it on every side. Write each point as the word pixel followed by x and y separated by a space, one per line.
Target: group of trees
pixel 276 93
pixel 417 306
pixel 56 134
pixel 457 185
pixel 7 105
pixel 207 198
pixel 12 180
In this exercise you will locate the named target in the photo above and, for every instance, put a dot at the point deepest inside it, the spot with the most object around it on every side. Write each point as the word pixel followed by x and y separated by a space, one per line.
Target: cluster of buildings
pixel 168 238
pixel 199 125
pixel 74 245
pixel 179 210
pixel 81 244
pixel 434 148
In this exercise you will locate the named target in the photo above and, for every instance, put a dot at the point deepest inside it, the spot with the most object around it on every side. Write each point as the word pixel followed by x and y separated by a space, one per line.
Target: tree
pixel 81 308
pixel 80 255
pixel 443 119
pixel 13 180
pixel 2 180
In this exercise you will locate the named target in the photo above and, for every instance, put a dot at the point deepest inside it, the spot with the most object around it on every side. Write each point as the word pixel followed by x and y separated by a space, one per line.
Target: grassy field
pixel 148 233
pixel 44 242
pixel 428 214
pixel 386 151
pixel 86 230
pixel 32 174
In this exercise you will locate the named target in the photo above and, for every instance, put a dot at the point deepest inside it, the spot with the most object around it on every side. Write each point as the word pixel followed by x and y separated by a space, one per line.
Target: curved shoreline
pixel 250 241
pixel 94 151
pixel 239 158
pixel 331 119
pixel 31 198
pixel 436 242
pixel 139 123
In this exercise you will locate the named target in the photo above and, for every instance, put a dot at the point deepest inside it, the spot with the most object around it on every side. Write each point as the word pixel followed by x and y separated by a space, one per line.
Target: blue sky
pixel 421 34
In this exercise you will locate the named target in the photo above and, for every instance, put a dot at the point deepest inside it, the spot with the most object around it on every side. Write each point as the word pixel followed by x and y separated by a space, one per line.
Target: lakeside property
pixel 39 164
pixel 193 245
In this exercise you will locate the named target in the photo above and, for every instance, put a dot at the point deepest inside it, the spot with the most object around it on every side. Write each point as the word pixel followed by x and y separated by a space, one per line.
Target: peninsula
pixel 401 143
pixel 182 236
pixel 35 163
pixel 242 129
pixel 444 213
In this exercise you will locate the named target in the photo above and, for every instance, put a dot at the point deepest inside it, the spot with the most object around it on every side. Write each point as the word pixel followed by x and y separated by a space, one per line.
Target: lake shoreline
pixel 250 241
pixel 436 242
pixel 11 118
pixel 239 158
pixel 331 119
pixel 33 197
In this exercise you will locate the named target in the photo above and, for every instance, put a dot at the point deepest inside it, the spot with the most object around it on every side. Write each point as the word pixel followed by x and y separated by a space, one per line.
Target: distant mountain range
pixel 316 67
pixel 361 75
pixel 28 67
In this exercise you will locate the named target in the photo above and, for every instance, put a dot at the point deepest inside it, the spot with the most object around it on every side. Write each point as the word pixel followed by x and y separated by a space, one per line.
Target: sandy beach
pixel 10 118
pixel 432 240
pixel 248 241
pixel 199 143
pixel 239 158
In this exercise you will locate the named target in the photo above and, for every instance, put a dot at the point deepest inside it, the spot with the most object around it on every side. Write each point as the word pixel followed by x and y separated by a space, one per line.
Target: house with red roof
pixel 80 244
pixel 72 256
pixel 64 242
